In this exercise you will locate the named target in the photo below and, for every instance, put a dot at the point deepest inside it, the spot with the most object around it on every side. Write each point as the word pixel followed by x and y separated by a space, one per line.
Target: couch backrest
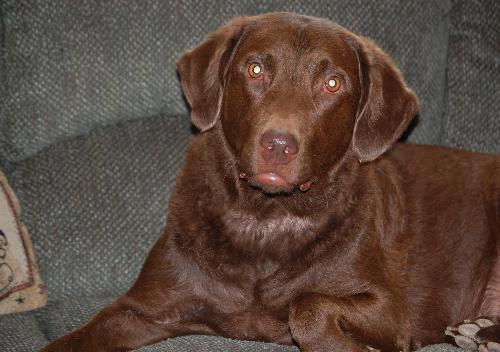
pixel 472 118
pixel 72 65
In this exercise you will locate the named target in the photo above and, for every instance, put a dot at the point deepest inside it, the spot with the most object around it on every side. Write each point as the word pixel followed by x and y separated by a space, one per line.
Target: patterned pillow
pixel 20 286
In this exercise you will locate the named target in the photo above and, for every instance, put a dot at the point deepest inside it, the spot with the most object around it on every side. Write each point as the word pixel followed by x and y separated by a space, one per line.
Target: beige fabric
pixel 20 286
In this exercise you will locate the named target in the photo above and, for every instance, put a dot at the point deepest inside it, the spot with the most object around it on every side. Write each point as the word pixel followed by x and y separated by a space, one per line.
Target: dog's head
pixel 293 95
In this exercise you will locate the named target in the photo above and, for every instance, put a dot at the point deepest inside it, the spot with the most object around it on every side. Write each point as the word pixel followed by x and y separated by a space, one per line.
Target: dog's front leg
pixel 118 327
pixel 155 308
pixel 321 323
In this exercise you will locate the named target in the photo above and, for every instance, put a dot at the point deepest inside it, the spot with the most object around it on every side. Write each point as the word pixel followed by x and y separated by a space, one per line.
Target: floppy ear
pixel 202 71
pixel 387 105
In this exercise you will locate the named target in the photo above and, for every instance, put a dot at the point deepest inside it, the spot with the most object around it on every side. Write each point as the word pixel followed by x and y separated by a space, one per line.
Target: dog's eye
pixel 255 70
pixel 333 84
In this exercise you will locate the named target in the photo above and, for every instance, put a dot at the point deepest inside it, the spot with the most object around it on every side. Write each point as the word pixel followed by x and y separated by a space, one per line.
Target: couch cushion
pixel 60 317
pixel 472 118
pixel 214 344
pixel 219 344
pixel 21 288
pixel 70 66
pixel 95 204
pixel 20 332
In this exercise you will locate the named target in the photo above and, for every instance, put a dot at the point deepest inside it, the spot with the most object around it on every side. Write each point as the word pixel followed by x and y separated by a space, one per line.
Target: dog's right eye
pixel 332 85
pixel 255 71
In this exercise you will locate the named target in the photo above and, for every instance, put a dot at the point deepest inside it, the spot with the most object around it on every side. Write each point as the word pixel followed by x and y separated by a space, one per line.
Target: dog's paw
pixel 481 335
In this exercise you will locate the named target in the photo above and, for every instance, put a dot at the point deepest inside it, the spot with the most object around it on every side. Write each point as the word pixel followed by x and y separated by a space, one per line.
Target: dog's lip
pixel 271 179
pixel 274 180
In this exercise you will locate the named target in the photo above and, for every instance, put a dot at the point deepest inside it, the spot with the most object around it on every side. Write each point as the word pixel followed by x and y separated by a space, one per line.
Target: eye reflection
pixel 333 84
pixel 255 70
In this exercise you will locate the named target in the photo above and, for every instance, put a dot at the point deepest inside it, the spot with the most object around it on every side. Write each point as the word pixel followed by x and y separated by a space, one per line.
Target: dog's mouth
pixel 272 182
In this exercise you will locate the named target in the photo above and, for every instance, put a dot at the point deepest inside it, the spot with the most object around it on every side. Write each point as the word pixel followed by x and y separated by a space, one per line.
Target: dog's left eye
pixel 332 85
pixel 255 70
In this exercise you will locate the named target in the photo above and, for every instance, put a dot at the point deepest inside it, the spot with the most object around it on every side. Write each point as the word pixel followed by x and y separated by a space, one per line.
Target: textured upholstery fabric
pixel 61 317
pixel 96 204
pixel 218 344
pixel 472 119
pixel 71 66
pixel 214 344
pixel 20 333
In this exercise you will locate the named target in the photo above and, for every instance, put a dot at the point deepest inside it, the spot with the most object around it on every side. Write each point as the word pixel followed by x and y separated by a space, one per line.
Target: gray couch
pixel 93 126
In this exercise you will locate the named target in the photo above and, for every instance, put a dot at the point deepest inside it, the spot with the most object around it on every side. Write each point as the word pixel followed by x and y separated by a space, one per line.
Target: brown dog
pixel 289 223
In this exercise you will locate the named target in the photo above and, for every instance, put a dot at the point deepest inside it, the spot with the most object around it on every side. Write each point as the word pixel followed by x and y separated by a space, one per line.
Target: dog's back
pixel 452 208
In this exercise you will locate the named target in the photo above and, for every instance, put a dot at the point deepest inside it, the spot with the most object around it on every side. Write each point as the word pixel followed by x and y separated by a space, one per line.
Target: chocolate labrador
pixel 297 219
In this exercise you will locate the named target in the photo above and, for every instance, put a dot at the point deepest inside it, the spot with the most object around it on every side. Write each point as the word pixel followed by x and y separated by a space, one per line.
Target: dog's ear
pixel 202 70
pixel 387 105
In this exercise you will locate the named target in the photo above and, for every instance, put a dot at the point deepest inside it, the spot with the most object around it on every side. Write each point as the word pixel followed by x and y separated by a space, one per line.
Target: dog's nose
pixel 278 147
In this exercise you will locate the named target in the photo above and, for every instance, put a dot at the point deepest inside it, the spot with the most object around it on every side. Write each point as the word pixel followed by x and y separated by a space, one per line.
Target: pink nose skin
pixel 278 147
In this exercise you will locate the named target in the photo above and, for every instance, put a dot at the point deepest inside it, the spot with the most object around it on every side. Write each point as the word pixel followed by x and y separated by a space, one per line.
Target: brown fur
pixel 384 249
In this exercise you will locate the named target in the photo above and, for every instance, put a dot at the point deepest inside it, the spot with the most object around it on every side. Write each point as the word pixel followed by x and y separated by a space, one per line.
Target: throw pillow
pixel 21 288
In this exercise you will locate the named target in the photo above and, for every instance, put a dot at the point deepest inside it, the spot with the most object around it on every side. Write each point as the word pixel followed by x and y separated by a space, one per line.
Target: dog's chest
pixel 248 225
pixel 275 235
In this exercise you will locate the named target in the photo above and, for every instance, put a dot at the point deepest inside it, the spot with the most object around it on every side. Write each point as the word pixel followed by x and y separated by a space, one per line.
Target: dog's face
pixel 294 95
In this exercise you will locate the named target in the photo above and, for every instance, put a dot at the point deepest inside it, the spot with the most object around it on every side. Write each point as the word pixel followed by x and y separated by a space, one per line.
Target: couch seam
pixel 445 96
